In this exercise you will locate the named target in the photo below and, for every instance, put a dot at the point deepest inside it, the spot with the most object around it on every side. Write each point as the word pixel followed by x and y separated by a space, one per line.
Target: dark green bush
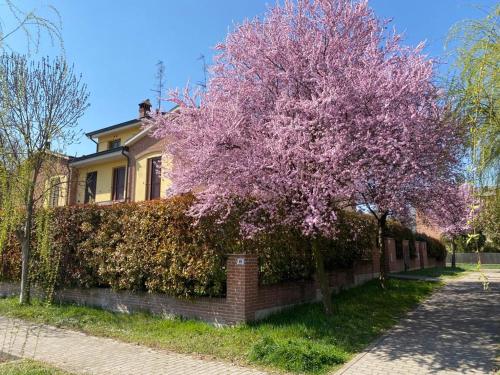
pixel 156 247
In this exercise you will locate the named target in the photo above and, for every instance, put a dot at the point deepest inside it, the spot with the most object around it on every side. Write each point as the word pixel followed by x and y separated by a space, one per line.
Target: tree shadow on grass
pixel 458 328
pixel 361 314
pixel 436 272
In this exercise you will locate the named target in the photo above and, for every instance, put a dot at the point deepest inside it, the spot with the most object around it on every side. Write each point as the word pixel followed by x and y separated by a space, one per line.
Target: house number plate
pixel 240 261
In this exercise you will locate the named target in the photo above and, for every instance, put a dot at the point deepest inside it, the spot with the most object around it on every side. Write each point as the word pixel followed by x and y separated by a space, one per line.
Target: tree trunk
pixel 453 257
pixel 322 277
pixel 24 297
pixel 381 226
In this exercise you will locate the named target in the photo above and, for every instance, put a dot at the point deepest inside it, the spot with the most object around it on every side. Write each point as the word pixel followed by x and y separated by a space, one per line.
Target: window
pixel 55 191
pixel 115 143
pixel 90 187
pixel 118 184
pixel 154 178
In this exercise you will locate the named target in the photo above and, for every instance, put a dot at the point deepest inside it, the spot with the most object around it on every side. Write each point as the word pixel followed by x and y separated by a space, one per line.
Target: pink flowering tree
pixel 454 213
pixel 310 109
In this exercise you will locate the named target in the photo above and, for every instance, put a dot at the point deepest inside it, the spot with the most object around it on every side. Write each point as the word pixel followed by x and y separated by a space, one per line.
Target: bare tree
pixel 40 104
pixel 31 24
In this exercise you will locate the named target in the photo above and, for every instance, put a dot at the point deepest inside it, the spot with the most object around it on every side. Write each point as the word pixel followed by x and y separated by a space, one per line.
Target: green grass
pixel 28 367
pixel 300 340
pixel 473 266
pixel 446 272
pixel 439 272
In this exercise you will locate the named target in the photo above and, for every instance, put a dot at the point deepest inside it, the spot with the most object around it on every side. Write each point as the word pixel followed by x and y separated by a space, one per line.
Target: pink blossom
pixel 311 108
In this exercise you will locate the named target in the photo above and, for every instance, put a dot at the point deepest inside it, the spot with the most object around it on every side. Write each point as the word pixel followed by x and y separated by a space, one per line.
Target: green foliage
pixel 11 197
pixel 46 260
pixel 489 219
pixel 475 92
pixel 157 247
pixel 469 244
pixel 301 333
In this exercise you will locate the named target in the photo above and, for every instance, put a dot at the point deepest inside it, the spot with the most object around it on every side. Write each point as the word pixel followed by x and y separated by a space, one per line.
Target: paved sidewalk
pixel 456 331
pixel 83 354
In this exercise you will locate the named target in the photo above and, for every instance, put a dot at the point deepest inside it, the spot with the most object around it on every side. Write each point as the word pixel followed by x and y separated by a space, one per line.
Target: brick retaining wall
pixel 245 299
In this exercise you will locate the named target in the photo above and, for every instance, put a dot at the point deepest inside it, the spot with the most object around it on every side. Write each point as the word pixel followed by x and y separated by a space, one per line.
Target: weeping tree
pixel 30 23
pixel 474 90
pixel 475 98
pixel 454 214
pixel 40 104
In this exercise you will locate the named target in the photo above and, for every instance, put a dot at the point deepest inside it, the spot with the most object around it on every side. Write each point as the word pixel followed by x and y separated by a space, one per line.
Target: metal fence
pixel 486 258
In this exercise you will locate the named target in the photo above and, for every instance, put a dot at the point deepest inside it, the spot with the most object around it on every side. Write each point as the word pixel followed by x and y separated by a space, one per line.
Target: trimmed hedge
pixel 157 247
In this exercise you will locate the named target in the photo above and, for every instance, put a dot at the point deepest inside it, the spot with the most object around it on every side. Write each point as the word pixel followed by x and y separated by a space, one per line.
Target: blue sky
pixel 116 44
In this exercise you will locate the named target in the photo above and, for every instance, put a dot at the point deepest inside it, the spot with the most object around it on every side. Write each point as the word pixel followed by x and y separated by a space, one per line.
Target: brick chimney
pixel 144 108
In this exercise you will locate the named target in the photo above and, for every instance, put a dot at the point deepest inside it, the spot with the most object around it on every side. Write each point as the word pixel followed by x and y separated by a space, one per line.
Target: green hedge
pixel 156 247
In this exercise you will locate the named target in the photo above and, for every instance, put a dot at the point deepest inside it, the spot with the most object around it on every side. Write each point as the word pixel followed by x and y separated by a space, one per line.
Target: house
pixel 126 167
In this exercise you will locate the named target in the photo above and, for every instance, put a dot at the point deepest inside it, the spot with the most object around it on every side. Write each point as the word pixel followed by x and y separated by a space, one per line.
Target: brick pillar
pixel 390 254
pixel 406 254
pixel 242 286
pixel 419 245
pixel 415 262
pixel 423 255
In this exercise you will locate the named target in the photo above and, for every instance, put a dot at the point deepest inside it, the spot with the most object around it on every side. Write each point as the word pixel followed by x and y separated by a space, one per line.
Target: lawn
pixel 473 266
pixel 28 367
pixel 445 272
pixel 439 272
pixel 300 340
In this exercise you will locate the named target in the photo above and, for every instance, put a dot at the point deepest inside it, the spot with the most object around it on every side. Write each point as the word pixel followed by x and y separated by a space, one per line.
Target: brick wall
pixel 245 299
pixel 395 264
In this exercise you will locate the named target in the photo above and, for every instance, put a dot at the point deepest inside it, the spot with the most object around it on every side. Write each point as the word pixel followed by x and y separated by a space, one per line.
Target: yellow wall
pixel 141 174
pixel 104 180
pixel 124 136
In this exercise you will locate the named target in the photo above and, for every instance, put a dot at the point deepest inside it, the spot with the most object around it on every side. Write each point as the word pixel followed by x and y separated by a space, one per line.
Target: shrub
pixel 11 260
pixel 157 247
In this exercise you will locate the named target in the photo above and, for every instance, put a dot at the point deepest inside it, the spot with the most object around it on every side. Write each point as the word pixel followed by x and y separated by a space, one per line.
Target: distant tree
pixel 311 109
pixel 40 104
pixel 454 214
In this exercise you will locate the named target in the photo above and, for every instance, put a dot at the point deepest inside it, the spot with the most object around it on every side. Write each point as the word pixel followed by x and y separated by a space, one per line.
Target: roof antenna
pixel 203 84
pixel 160 83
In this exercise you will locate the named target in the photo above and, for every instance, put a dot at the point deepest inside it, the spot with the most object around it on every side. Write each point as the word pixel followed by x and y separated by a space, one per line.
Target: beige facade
pixel 123 169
